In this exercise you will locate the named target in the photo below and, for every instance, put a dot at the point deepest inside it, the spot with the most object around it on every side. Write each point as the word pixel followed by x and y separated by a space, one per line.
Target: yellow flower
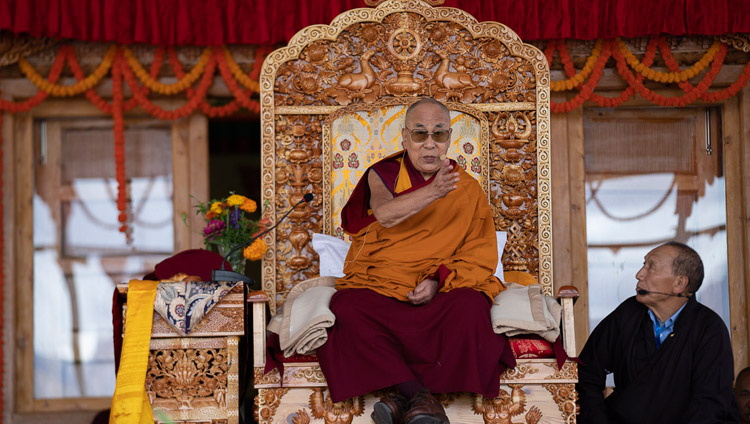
pixel 249 206
pixel 235 200
pixel 256 250
pixel 217 208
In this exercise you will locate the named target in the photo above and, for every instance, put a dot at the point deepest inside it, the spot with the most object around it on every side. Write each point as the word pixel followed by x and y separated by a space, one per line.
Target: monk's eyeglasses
pixel 420 135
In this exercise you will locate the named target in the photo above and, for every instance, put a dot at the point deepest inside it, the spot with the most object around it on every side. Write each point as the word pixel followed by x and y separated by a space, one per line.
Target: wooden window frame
pixel 569 211
pixel 189 172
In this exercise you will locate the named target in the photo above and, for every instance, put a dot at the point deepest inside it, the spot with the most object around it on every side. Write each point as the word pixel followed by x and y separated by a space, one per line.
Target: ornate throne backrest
pixel 364 67
pixel 357 136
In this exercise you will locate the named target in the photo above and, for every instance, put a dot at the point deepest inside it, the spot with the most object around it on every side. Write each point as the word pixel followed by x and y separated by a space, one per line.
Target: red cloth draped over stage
pixel 214 22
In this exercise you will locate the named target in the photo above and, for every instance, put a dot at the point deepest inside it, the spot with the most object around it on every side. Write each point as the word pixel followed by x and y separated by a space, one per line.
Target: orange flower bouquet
pixel 228 224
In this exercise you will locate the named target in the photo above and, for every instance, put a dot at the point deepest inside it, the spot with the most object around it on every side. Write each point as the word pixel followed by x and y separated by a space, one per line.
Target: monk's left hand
pixel 424 292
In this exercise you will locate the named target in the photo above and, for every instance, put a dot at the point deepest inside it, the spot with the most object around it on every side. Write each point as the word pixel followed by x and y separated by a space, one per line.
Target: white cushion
pixel 332 252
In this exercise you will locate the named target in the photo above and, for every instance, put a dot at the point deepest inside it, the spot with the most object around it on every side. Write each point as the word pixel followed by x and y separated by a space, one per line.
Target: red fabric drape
pixel 214 22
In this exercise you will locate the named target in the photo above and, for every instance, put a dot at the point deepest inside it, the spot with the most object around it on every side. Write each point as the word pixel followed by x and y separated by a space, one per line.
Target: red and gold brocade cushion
pixel 531 347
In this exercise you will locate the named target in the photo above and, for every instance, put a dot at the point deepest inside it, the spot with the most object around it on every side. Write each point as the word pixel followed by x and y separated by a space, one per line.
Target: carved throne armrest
pixel 567 296
pixel 259 300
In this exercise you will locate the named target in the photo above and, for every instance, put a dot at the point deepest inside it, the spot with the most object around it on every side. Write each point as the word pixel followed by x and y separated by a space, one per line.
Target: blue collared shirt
pixel 662 330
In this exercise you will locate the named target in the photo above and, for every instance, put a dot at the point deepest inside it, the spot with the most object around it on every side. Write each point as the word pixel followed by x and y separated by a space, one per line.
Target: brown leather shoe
pixel 425 409
pixel 390 409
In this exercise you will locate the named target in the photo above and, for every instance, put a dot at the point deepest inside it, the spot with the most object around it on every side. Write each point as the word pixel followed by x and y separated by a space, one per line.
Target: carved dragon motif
pixel 338 412
pixel 501 409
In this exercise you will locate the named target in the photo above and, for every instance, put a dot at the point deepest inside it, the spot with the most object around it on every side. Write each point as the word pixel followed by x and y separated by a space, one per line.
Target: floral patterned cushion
pixel 184 303
pixel 359 139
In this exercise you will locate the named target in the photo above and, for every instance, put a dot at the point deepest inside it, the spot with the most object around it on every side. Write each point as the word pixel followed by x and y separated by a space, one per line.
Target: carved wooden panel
pixel 194 379
pixel 405 49
pixel 516 403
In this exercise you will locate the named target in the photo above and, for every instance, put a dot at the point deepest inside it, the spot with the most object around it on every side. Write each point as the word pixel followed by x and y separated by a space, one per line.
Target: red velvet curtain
pixel 212 22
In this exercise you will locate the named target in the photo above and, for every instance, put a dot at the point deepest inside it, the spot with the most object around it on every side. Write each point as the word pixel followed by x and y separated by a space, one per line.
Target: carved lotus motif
pixel 317 53
pixel 438 33
pixel 493 49
pixel 512 174
pixel 298 130
pixel 308 84
pixel 369 33
pixel 501 80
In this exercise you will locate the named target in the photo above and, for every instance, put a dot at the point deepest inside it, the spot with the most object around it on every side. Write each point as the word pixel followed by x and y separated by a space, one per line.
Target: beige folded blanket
pixel 525 310
pixel 302 324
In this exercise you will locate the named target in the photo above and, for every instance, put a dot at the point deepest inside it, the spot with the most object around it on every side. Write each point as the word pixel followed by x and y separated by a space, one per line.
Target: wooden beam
pixel 23 255
pixel 198 172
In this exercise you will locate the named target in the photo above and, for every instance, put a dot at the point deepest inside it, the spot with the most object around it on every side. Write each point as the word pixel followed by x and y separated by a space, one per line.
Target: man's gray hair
pixel 425 101
pixel 687 263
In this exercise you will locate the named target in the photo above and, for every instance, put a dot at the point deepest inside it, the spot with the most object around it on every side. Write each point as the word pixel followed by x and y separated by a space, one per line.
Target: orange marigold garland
pixel 73 90
pixel 669 77
pixel 182 111
pixel 588 88
pixel 680 101
pixel 626 94
pixel 575 79
pixel 240 95
pixel 95 98
pixel 713 97
pixel 119 130
pixel 168 89
pixel 27 105
pixel 211 111
pixel 237 72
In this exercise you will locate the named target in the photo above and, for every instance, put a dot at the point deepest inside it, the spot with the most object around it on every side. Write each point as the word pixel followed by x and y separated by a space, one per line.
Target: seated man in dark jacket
pixel 670 355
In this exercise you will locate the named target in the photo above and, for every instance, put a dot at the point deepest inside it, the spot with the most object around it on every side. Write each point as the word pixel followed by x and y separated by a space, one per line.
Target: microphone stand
pixel 223 275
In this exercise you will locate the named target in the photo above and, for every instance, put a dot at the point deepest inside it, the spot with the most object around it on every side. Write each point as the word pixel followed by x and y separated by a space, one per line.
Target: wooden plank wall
pixel 569 214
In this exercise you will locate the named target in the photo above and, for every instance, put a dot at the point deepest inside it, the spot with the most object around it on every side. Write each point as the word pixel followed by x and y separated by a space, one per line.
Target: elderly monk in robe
pixel 413 310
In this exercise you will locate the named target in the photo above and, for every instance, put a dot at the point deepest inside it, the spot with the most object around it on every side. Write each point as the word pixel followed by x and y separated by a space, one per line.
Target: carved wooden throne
pixel 355 76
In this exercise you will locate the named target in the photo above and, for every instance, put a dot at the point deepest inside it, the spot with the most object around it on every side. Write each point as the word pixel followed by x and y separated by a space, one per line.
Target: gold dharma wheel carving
pixel 404 44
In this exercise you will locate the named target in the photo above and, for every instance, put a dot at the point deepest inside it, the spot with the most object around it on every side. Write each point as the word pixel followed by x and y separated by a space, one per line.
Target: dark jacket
pixel 687 380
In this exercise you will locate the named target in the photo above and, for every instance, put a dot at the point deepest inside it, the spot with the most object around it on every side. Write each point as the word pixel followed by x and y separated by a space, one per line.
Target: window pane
pixel 648 181
pixel 79 253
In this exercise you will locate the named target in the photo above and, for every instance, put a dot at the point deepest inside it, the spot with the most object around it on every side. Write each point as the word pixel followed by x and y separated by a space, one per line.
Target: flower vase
pixel 237 260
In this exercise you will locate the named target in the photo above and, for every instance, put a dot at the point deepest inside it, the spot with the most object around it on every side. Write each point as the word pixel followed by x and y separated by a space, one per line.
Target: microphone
pixel 643 291
pixel 222 275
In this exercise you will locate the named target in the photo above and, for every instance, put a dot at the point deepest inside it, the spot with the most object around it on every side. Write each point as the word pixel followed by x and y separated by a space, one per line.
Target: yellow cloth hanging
pixel 130 403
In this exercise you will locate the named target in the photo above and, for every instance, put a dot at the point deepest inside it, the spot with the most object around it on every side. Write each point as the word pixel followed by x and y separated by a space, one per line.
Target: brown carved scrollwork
pixel 187 378
pixel 311 375
pixel 298 171
pixel 565 397
pixel 405 54
pixel 267 401
pixel 519 372
pixel 260 377
pixel 568 371
pixel 505 406
pixel 738 41
pixel 513 159
pixel 335 412
pixel 14 47
pixel 374 3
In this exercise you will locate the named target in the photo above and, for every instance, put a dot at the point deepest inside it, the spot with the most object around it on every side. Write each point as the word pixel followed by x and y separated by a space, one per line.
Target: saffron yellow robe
pixel 457 231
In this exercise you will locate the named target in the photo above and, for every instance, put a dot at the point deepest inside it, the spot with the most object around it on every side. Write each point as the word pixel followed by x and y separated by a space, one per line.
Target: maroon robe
pixel 447 345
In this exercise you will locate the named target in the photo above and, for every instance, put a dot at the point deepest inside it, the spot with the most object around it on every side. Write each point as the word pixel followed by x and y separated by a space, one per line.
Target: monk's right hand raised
pixel 446 180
